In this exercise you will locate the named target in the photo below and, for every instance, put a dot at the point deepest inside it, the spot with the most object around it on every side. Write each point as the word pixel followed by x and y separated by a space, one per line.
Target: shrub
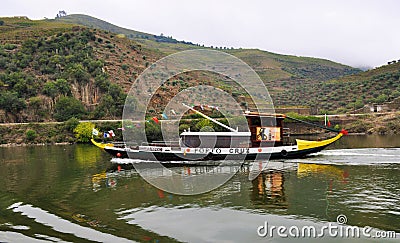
pixel 9 46
pixel 71 124
pixel 124 67
pixel 31 135
pixel 83 132
pixel 153 131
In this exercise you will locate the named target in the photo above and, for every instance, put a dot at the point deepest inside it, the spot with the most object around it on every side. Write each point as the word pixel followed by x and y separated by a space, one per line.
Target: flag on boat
pixel 173 112
pixel 164 116
pixel 111 132
pixel 106 135
pixel 155 119
pixel 95 132
pixel 327 122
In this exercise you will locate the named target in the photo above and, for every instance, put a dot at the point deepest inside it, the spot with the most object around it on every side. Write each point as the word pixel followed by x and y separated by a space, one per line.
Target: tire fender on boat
pixel 284 153
pixel 210 155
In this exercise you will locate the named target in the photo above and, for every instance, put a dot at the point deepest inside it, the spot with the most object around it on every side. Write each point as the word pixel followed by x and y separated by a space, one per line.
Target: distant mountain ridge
pixel 96 23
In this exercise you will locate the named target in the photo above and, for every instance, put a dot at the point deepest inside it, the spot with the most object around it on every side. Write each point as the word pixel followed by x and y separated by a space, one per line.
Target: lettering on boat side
pixel 155 149
pixel 239 150
pixel 207 150
pixel 218 151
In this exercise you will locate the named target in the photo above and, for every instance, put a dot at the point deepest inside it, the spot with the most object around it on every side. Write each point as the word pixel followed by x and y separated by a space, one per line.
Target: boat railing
pixel 286 136
pixel 286 132
pixel 165 143
pixel 132 145
pixel 119 144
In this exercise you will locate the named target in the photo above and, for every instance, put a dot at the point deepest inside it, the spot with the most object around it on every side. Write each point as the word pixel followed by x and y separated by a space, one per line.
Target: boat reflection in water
pixel 268 188
pixel 332 171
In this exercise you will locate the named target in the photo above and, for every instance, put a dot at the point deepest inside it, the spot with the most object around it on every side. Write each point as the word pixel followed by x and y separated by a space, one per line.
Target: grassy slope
pixel 17 30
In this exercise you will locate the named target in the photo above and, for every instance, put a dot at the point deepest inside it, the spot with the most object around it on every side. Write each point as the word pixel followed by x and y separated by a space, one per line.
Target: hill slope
pixel 279 72
pixel 48 65
pixel 351 92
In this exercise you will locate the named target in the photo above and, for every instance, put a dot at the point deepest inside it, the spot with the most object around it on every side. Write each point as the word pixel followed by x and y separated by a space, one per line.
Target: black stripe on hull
pixel 114 152
pixel 160 156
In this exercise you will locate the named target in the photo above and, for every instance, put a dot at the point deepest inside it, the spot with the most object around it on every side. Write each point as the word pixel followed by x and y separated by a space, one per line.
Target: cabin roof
pixel 269 115
pixel 231 134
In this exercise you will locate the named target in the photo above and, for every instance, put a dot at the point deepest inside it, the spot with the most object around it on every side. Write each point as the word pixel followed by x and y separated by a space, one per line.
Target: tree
pixel 53 89
pixel 77 71
pixel 381 98
pixel 63 87
pixel 50 90
pixel 1 22
pixel 83 132
pixel 68 107
pixel 35 103
pixel 10 102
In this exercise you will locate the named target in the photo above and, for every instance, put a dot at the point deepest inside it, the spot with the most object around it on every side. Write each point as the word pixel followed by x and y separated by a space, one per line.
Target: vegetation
pixel 68 107
pixel 71 124
pixel 83 132
pixel 54 70
pixel 348 93
pixel 46 72
pixel 31 135
pixel 302 117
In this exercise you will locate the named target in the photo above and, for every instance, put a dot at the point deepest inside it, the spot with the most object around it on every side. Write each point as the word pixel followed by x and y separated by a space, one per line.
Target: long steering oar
pixel 317 125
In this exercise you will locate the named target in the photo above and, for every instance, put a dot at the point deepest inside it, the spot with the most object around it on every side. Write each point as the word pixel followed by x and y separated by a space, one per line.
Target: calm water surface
pixel 74 194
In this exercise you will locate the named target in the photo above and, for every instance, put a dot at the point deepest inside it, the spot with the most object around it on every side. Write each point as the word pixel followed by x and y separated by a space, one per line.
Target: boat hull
pixel 301 150
pixel 159 156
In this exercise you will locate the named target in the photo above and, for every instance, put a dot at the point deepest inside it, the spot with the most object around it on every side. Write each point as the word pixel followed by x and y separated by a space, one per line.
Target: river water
pixel 75 194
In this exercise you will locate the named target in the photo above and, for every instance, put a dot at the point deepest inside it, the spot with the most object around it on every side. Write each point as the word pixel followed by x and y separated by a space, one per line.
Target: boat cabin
pixel 216 139
pixel 266 130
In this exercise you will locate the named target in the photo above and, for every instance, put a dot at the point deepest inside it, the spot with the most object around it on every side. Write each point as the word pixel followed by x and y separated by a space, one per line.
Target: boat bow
pixel 101 145
pixel 305 144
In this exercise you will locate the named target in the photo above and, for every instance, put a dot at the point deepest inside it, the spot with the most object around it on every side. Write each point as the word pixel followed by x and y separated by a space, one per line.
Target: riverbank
pixel 25 134
pixel 48 133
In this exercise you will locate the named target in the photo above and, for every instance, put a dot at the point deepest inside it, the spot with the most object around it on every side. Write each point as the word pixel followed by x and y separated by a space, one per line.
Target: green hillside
pixel 281 73
pixel 270 66
pixel 56 69
pixel 348 93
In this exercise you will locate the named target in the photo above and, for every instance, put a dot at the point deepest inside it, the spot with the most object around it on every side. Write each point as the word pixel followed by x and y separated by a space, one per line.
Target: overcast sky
pixel 352 32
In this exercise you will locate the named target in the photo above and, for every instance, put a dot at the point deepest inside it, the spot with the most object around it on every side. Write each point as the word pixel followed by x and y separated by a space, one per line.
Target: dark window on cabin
pixel 266 121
